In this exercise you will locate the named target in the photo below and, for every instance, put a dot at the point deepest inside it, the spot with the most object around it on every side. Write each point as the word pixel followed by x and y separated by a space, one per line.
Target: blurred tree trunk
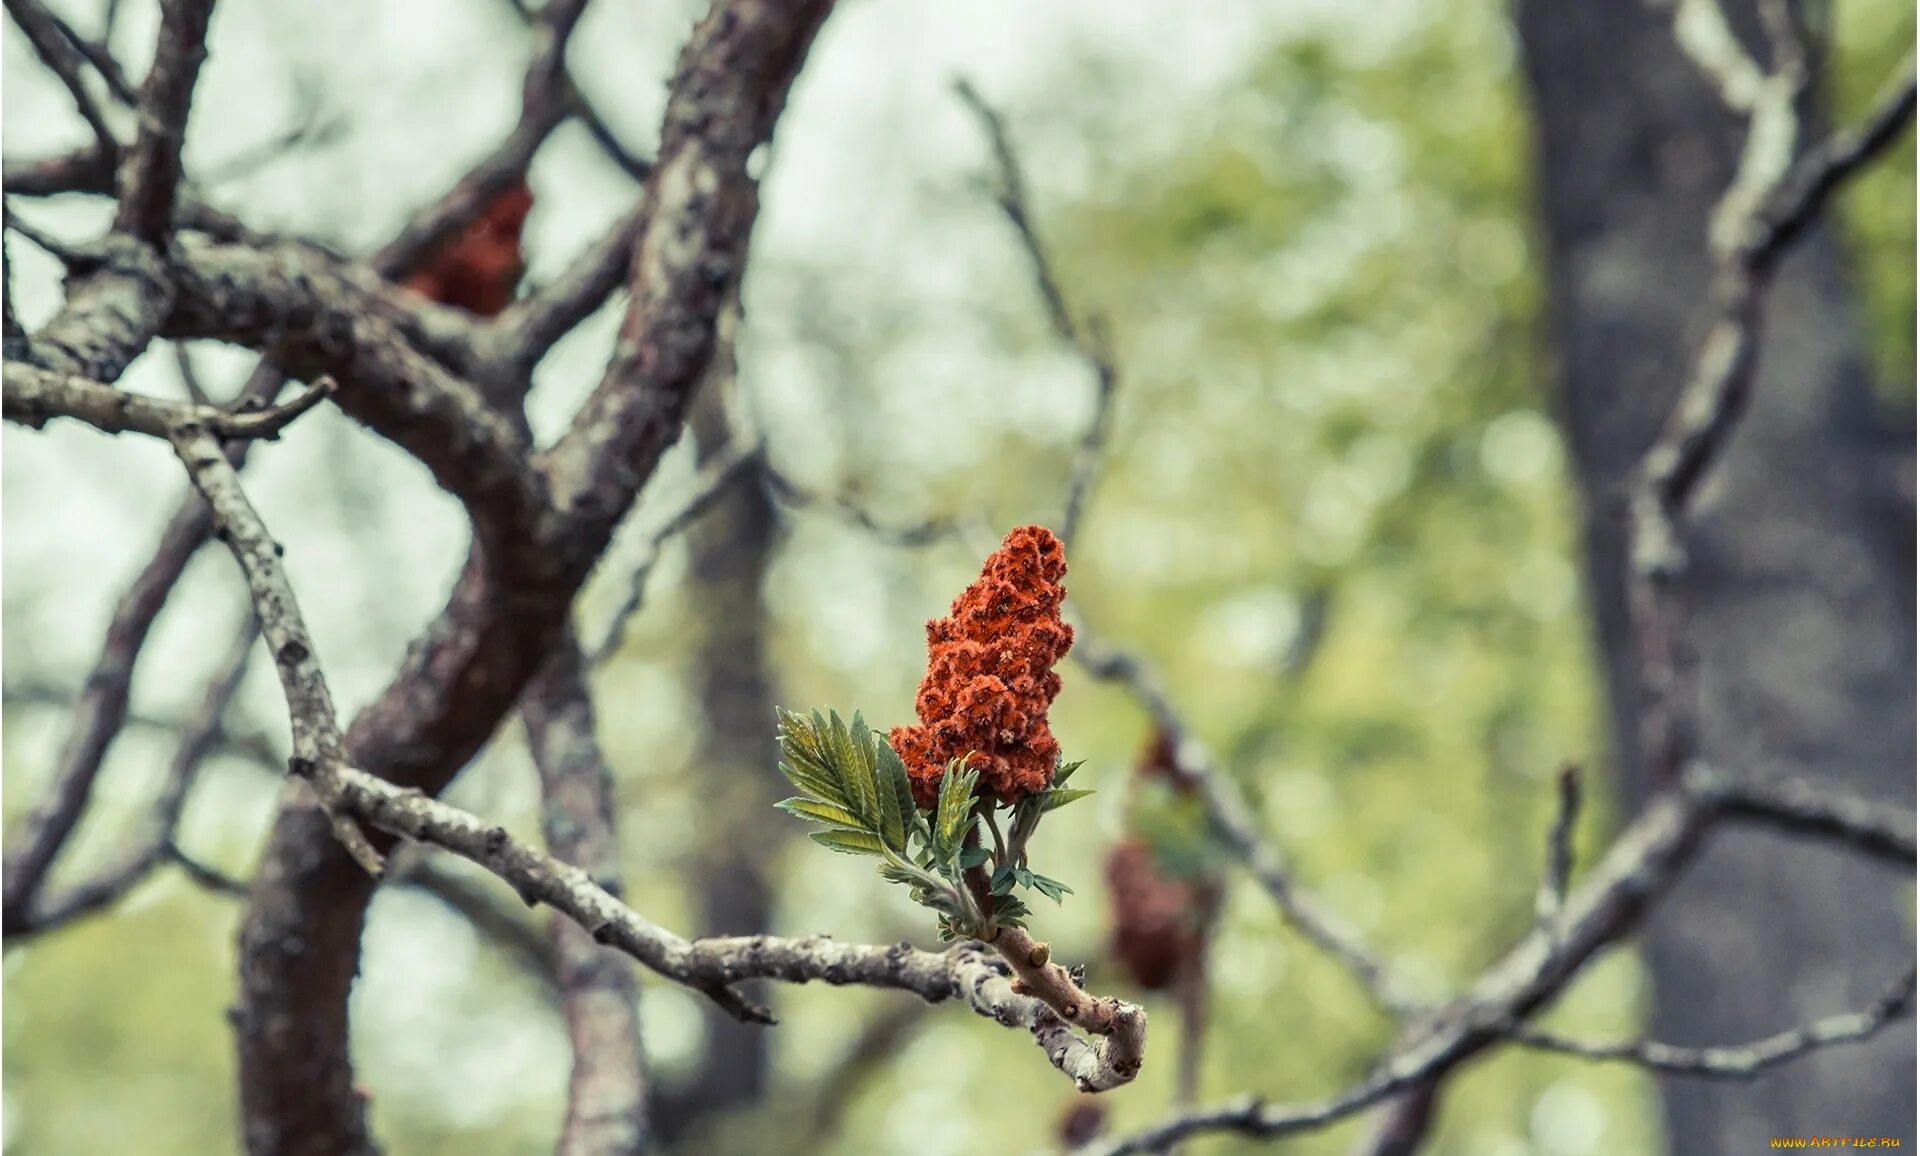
pixel 737 761
pixel 1800 594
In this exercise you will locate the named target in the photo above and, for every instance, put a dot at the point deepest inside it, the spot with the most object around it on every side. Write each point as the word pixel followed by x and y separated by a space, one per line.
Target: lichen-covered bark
pixel 300 941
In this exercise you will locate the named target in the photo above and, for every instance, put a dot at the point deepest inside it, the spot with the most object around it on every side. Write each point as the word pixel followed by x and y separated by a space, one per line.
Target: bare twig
pixel 1823 168
pixel 1819 811
pixel 190 376
pixel 705 489
pixel 33 397
pixel 1091 340
pixel 911 535
pixel 205 874
pixel 42 30
pixel 545 104
pixel 317 750
pixel 138 859
pixel 529 327
pixel 1553 886
pixel 1233 820
pixel 1745 1061
pixel 101 707
pixel 96 54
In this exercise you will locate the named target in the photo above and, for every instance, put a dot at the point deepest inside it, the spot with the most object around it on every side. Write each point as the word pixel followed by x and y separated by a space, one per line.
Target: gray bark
pixel 1800 595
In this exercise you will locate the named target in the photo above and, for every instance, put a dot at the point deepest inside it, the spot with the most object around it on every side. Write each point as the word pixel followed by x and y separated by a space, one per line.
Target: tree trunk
pixel 1800 593
pixel 737 760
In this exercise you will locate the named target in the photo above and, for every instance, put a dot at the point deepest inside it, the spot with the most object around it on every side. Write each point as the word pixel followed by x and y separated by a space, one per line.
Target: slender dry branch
pixel 139 858
pixel 545 103
pixel 95 53
pixel 101 707
pixel 42 30
pixel 1090 341
pixel 317 751
pixel 34 396
pixel 1642 863
pixel 913 535
pixel 531 326
pixel 724 470
pixel 711 966
pixel 1644 859
pixel 150 173
pixel 1826 166
pixel 1234 822
pixel 1770 202
pixel 1745 1061
pixel 548 79
pixel 204 874
pixel 1818 811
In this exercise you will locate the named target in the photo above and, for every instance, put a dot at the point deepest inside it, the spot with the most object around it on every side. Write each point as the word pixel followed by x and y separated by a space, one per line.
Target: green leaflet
pixel 893 774
pixel 891 819
pixel 1060 797
pixel 954 810
pixel 822 812
pixel 851 842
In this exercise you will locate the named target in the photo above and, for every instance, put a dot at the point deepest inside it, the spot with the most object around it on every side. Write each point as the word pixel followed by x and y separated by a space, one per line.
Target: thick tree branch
pixel 701 204
pixel 150 173
pixel 301 937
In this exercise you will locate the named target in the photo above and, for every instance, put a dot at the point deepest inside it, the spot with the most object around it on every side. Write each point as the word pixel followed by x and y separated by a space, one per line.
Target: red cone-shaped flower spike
pixel 990 675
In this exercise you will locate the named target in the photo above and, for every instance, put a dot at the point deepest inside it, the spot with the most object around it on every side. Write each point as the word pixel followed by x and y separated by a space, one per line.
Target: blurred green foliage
pixel 1335 515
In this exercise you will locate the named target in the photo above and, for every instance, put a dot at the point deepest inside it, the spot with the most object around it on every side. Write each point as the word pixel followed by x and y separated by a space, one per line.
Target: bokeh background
pixel 1336 514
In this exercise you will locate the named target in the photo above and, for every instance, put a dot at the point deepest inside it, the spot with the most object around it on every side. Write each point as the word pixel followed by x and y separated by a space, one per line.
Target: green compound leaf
pixel 848 777
pixel 1052 888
